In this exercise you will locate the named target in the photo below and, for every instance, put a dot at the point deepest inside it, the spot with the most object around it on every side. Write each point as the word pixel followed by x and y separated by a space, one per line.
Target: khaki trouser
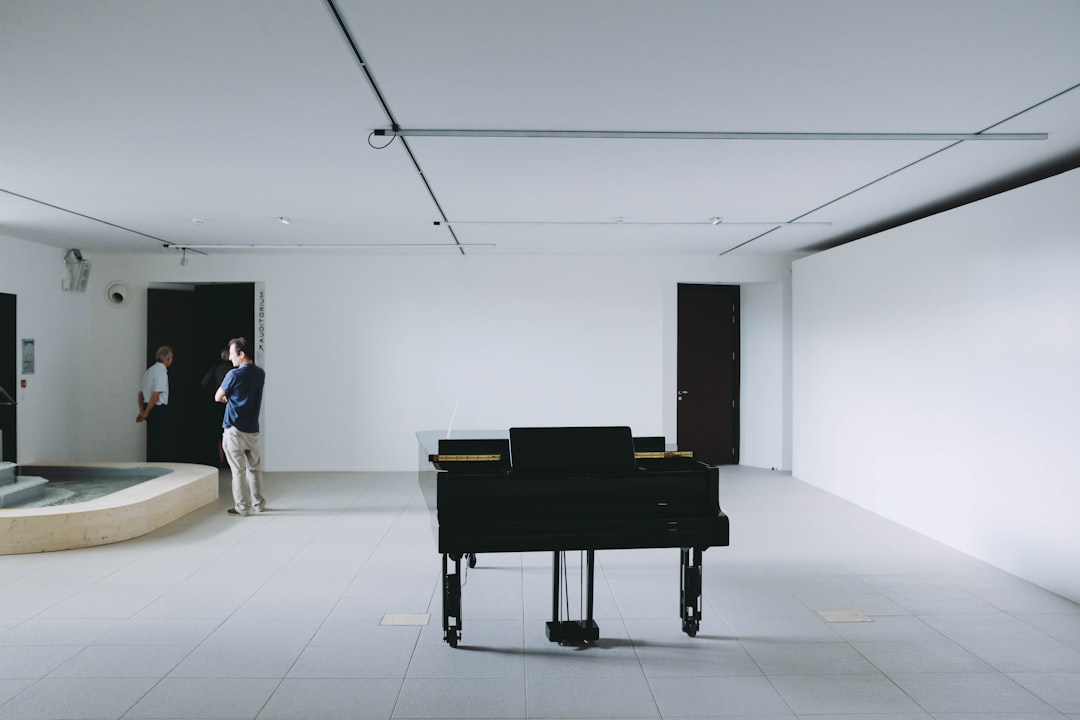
pixel 242 452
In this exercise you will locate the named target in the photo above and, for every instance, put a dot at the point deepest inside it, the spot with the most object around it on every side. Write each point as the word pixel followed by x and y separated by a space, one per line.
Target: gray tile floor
pixel 278 616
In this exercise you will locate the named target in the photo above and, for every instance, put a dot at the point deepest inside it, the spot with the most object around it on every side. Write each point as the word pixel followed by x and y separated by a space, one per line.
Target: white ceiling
pixel 122 120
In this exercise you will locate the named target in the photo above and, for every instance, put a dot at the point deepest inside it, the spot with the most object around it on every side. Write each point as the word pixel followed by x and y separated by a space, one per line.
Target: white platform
pixel 26 488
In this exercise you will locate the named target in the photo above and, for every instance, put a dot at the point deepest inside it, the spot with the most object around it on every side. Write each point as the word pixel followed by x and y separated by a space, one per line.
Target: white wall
pixel 33 273
pixel 764 416
pixel 363 351
pixel 936 378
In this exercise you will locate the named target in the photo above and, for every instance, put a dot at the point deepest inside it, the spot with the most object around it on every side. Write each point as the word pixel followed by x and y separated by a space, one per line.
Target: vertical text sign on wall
pixel 260 324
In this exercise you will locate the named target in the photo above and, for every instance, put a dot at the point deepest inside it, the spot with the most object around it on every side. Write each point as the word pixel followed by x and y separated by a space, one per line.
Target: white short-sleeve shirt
pixel 156 379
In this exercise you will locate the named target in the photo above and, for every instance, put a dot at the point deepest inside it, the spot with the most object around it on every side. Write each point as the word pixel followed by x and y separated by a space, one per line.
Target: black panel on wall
pixel 9 360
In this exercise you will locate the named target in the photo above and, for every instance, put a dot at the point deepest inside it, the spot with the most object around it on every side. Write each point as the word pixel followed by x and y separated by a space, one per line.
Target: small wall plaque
pixel 28 356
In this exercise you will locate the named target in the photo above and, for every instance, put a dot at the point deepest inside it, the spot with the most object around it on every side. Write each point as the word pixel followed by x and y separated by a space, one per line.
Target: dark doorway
pixel 196 321
pixel 707 412
pixel 8 365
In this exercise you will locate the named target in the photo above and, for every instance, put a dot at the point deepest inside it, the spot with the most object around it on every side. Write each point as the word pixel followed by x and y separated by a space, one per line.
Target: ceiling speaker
pixel 117 293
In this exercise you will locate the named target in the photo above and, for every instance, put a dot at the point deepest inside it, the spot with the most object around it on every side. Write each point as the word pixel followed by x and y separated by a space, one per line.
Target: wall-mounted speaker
pixel 117 293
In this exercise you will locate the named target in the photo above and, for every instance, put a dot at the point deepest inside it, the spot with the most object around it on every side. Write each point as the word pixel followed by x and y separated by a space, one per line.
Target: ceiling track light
pixel 283 220
pixel 183 249
pixel 659 135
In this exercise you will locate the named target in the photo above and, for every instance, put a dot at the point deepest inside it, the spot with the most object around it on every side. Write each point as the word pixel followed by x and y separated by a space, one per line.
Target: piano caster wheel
pixel 690 627
pixel 452 638
pixel 472 560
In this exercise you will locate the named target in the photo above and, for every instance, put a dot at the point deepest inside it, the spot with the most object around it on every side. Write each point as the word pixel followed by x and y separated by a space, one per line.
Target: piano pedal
pixel 573 632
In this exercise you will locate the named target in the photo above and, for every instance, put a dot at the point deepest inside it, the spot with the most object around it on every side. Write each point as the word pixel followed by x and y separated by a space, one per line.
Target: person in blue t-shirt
pixel 242 391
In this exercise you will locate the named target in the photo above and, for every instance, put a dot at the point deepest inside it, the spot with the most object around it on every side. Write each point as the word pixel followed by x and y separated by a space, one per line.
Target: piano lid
pixel 572 450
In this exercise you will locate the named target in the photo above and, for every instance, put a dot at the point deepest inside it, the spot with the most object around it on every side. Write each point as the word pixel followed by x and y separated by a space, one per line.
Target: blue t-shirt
pixel 244 387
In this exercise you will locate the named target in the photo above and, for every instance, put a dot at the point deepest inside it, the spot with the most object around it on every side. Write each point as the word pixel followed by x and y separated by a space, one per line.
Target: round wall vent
pixel 117 293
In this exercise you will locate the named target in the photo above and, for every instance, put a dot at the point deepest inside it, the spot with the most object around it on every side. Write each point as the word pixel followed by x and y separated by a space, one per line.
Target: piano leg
pixel 451 605
pixel 690 589
pixel 566 632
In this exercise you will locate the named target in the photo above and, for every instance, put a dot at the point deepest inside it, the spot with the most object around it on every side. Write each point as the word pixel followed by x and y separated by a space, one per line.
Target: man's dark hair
pixel 241 345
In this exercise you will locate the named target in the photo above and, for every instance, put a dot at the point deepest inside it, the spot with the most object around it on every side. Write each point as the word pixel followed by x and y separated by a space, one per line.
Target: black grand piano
pixel 573 488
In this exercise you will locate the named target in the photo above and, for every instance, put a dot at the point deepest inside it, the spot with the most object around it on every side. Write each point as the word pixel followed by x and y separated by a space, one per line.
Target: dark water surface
pixel 74 484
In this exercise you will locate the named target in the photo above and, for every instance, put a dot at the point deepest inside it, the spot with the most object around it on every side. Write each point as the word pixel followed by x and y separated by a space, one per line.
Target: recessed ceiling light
pixel 198 220
pixel 283 220
pixel 716 220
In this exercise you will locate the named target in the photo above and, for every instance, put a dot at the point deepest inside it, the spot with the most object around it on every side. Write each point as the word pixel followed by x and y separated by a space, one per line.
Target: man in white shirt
pixel 153 401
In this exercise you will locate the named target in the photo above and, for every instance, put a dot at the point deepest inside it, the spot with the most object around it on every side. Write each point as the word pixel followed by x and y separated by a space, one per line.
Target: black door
pixel 708 372
pixel 8 365
pixel 197 323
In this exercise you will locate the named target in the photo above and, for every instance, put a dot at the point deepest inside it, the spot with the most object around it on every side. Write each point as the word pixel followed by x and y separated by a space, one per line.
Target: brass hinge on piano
pixel 438 460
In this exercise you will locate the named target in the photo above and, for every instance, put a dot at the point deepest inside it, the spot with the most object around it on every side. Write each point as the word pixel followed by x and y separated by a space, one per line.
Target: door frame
pixel 724 301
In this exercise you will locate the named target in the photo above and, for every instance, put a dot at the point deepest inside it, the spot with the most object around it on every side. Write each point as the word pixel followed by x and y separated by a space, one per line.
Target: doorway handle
pixel 683 392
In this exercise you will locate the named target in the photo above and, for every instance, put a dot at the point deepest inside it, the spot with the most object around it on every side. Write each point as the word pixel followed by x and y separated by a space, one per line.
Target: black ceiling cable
pixel 384 145
pixel 340 21
pixel 905 167
pixel 86 217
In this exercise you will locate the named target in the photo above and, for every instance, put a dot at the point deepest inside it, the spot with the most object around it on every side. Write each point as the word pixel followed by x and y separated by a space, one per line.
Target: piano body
pixel 573 488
